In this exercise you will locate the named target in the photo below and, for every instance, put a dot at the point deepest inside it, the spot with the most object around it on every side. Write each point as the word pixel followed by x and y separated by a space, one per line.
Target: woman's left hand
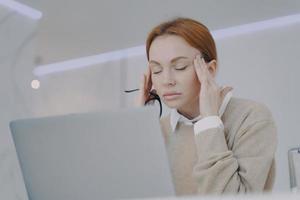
pixel 211 95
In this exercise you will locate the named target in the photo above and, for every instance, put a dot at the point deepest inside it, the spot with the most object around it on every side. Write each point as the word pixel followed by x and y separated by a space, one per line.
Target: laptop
pixel 99 155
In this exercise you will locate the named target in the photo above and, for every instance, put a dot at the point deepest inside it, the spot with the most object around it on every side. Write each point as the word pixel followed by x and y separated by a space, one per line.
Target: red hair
pixel 193 32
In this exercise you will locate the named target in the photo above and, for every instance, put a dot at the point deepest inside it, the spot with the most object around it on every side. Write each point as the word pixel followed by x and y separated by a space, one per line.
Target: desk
pixel 273 196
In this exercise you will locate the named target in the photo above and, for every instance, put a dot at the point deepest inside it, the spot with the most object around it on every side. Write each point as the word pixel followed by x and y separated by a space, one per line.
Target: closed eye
pixel 156 69
pixel 181 68
pixel 156 72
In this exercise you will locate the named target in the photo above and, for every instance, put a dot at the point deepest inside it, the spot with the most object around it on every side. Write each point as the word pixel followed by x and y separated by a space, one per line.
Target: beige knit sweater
pixel 238 159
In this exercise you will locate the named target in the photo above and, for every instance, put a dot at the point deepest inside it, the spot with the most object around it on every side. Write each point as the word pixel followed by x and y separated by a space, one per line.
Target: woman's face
pixel 172 71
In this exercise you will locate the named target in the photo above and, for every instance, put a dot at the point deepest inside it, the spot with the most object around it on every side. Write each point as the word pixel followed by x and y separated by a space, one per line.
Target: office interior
pixel 61 57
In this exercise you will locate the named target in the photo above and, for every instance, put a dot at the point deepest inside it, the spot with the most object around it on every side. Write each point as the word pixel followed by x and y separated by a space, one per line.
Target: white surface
pixel 279 196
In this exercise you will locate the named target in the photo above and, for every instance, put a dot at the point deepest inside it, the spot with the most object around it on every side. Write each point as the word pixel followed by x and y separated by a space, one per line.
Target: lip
pixel 171 95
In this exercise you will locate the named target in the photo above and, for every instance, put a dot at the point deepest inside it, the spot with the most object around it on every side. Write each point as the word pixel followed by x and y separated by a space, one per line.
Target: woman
pixel 216 143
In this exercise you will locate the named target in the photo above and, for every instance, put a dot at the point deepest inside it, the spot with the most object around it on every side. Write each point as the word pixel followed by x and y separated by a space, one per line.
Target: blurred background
pixel 70 56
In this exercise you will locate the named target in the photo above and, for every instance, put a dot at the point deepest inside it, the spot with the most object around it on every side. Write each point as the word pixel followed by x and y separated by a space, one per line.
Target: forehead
pixel 166 47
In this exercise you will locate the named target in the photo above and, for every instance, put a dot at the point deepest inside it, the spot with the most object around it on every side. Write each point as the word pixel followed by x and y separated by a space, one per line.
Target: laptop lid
pixel 100 155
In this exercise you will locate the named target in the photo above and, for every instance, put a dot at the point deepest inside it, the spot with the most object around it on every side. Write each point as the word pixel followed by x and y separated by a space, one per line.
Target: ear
pixel 212 67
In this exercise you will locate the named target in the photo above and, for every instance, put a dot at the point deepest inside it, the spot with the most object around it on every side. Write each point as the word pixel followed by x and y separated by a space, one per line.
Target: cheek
pixel 194 85
pixel 191 84
pixel 190 79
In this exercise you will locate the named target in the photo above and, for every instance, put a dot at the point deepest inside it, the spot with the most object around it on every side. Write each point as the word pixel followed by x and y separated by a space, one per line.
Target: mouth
pixel 171 96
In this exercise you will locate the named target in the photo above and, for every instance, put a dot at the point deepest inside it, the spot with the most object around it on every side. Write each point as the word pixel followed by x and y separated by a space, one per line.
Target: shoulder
pixel 244 114
pixel 247 109
pixel 244 118
pixel 247 117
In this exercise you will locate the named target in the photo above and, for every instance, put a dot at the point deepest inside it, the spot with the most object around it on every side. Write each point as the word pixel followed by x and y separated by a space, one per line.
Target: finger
pixel 210 79
pixel 139 99
pixel 141 95
pixel 205 70
pixel 198 69
pixel 142 83
pixel 146 87
pixel 148 79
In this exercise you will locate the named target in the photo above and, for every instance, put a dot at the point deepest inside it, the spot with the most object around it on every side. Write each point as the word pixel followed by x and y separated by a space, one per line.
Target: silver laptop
pixel 104 155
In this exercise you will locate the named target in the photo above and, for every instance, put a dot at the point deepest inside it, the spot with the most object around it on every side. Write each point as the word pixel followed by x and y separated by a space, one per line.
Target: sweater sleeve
pixel 245 167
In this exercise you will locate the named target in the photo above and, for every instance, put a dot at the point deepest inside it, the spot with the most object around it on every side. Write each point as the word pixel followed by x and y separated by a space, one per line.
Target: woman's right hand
pixel 144 89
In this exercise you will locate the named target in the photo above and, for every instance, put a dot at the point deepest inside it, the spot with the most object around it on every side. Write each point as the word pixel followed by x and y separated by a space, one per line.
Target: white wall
pixel 264 66
pixel 93 88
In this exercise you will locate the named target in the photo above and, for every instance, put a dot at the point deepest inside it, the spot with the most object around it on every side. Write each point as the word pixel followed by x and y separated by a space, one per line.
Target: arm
pixel 245 167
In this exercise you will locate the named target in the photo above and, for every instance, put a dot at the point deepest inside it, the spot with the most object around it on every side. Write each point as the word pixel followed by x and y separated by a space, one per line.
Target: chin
pixel 173 104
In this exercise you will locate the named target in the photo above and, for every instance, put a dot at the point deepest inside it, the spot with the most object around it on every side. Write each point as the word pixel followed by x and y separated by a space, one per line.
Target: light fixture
pixel 256 26
pixel 87 61
pixel 22 9
pixel 35 84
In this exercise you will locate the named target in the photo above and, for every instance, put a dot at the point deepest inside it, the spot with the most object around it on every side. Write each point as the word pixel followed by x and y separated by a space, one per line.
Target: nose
pixel 168 78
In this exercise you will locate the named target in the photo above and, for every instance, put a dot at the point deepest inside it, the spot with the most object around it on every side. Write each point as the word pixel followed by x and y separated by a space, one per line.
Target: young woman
pixel 216 143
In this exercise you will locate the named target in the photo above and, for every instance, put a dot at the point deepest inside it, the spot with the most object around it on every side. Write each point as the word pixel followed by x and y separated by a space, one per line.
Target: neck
pixel 191 110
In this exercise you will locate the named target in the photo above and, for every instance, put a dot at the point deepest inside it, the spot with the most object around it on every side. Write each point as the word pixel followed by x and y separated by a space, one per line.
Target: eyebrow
pixel 172 61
